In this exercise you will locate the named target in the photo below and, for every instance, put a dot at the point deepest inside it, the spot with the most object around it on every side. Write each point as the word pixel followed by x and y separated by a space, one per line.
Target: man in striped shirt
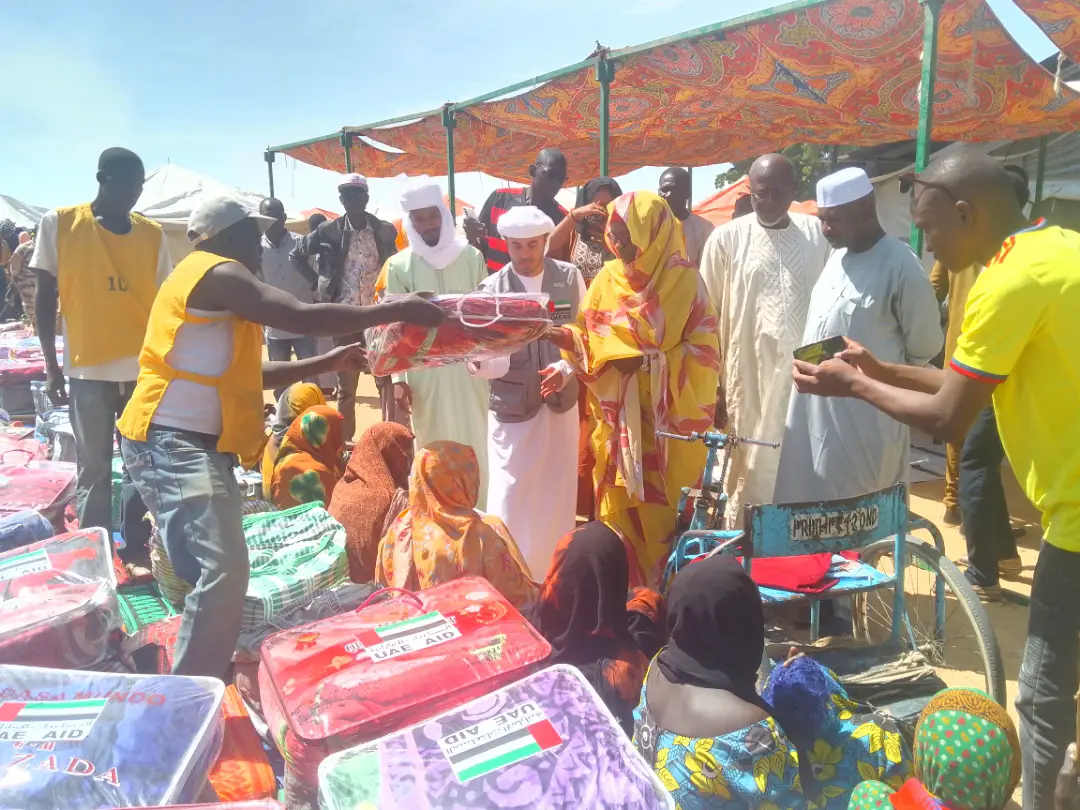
pixel 548 175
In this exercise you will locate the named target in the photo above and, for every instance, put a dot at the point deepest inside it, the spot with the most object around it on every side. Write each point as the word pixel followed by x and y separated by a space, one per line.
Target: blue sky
pixel 208 84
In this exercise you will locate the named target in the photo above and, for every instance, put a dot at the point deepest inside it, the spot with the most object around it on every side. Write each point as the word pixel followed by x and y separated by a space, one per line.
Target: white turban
pixel 420 192
pixel 843 187
pixel 423 192
pixel 525 222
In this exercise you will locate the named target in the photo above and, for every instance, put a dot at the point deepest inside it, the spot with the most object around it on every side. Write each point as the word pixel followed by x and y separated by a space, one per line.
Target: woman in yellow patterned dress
pixel 645 344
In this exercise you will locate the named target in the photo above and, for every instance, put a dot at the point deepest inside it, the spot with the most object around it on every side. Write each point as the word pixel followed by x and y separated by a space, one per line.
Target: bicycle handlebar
pixel 720 438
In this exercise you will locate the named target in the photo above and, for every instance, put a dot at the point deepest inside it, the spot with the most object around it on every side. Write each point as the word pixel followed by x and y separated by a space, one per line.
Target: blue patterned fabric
pixel 755 768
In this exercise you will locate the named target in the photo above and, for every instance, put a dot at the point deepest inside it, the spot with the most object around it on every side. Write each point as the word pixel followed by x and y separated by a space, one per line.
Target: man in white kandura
pixel 533 421
pixel 875 292
pixel 759 271
pixel 446 403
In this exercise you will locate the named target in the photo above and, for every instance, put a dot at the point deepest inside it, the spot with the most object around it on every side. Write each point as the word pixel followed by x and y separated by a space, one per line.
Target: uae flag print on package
pixel 546 741
pixel 92 740
pixel 478 326
pixel 58 605
pixel 361 675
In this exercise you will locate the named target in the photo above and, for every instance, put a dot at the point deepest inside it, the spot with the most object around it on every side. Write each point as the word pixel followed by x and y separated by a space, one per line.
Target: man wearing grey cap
pixel 198 404
pixel 873 290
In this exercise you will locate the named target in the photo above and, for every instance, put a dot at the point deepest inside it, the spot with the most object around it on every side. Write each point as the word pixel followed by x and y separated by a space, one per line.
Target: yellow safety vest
pixel 240 388
pixel 107 284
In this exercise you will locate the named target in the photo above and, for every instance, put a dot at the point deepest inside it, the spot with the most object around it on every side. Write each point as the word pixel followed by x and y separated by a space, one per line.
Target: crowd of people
pixel 660 324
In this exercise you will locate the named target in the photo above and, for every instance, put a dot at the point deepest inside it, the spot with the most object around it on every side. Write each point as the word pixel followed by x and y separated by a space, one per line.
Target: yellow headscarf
pixel 656 306
pixel 294 401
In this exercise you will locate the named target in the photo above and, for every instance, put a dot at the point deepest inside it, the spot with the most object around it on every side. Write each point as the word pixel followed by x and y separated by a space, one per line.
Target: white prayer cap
pixel 353 179
pixel 525 222
pixel 843 187
pixel 420 192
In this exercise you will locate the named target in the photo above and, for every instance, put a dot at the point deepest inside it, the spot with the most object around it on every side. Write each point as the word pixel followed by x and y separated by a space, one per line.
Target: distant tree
pixel 811 164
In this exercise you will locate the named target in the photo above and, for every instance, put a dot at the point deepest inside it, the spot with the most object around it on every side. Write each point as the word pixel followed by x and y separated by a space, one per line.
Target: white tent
pixel 22 214
pixel 172 192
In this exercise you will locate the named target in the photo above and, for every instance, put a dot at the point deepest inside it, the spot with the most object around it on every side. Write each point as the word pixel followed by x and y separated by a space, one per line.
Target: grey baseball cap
pixel 214 214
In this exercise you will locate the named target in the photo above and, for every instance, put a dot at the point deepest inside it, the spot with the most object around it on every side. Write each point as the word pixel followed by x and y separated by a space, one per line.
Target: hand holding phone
pixel 818 353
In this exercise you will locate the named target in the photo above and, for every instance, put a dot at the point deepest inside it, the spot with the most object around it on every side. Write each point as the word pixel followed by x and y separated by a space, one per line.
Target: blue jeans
pixel 190 489
pixel 281 349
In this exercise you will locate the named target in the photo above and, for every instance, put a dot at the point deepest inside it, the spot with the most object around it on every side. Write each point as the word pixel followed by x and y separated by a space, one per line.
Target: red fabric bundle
pixel 478 326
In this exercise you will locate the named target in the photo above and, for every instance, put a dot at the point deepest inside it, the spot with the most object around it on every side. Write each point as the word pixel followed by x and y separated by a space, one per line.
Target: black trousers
pixel 982 501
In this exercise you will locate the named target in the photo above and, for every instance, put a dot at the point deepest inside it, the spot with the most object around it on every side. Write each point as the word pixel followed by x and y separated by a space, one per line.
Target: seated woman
pixel 712 740
pixel 309 462
pixel 441 536
pixel 839 742
pixel 583 614
pixel 293 401
pixel 966 757
pixel 373 491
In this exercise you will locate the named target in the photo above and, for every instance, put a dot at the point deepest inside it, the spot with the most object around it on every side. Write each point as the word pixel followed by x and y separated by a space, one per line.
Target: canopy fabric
pixel 838 71
pixel 720 207
pixel 22 214
pixel 1059 20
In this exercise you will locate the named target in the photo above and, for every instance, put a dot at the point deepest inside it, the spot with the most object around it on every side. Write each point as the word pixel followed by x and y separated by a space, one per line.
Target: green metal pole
pixel 605 73
pixel 346 144
pixel 1040 175
pixel 931 20
pixel 268 156
pixel 450 124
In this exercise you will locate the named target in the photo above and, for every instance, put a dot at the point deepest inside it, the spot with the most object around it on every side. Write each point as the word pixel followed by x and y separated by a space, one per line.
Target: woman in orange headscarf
pixel 293 401
pixel 645 343
pixel 441 536
pixel 309 463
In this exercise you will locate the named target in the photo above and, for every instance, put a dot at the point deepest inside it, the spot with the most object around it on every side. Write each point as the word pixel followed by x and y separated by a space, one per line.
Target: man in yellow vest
pixel 198 407
pixel 104 264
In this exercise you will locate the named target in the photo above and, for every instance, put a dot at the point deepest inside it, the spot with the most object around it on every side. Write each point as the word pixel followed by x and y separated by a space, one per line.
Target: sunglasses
pixel 908 181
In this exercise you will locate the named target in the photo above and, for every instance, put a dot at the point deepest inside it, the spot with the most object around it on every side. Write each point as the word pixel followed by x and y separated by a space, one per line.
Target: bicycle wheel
pixel 945 620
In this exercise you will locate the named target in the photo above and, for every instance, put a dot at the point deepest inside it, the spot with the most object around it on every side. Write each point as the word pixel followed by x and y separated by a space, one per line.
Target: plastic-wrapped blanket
pixel 546 741
pixel 58 603
pixel 478 326
pixel 95 740
pixel 355 677
pixel 46 486
pixel 266 804
pixel 23 528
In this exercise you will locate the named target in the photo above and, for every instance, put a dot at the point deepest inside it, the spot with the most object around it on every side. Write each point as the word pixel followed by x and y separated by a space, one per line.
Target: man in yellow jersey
pixel 198 407
pixel 104 264
pixel 1020 346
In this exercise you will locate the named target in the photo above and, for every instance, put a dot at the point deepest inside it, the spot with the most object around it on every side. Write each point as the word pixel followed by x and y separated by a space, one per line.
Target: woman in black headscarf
pixel 583 614
pixel 580 236
pixel 701 723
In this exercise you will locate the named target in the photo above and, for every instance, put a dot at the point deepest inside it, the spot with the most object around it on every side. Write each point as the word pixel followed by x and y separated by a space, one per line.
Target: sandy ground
pixel 1009 620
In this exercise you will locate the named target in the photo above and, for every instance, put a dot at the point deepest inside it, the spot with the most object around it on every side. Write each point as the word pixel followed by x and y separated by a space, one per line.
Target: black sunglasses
pixel 908 181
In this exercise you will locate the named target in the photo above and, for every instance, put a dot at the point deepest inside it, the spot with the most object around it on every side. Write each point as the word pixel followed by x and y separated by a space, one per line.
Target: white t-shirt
pixel 124 369
pixel 696 231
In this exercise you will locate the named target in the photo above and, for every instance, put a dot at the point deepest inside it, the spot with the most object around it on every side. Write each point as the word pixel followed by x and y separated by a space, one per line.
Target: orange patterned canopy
pixel 836 72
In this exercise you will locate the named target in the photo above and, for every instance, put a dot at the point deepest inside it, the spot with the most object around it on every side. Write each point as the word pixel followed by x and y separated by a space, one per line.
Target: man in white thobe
pixel 533 417
pixel 873 291
pixel 759 271
pixel 445 403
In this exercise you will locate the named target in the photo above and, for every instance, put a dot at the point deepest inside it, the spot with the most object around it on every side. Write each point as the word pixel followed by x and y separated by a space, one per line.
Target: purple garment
pixel 138 740
pixel 591 763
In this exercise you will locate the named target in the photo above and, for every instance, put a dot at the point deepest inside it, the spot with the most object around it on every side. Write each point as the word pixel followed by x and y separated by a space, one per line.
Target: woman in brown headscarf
pixel 373 491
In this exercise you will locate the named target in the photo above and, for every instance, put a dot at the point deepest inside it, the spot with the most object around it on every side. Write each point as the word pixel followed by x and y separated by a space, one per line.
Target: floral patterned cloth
pixel 755 767
pixel 839 742
pixel 309 463
pixel 441 536
pixel 361 269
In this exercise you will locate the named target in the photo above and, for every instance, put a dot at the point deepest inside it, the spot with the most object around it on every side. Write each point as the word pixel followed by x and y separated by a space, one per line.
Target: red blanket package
pixel 355 677
pixel 58 605
pixel 45 486
pixel 243 769
pixel 478 326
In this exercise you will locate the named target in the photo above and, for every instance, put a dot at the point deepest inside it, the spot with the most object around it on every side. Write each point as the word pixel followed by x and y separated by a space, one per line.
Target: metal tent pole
pixel 1040 175
pixel 268 156
pixel 450 124
pixel 605 74
pixel 346 144
pixel 931 20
